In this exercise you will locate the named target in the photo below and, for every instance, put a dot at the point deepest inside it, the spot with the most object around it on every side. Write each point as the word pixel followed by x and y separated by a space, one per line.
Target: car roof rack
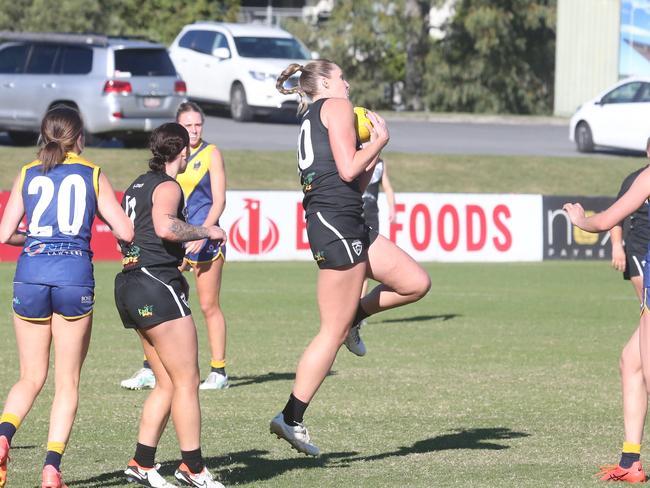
pixel 69 38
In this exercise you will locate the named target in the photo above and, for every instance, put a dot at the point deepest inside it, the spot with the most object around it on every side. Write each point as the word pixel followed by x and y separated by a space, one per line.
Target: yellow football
pixel 360 121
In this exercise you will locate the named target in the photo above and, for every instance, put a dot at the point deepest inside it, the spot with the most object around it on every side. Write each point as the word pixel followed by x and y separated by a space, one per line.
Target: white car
pixel 237 65
pixel 619 118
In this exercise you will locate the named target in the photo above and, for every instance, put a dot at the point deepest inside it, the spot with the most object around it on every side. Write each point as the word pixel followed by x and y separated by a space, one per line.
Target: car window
pixel 73 60
pixel 204 41
pixel 623 94
pixel 41 58
pixel 221 41
pixel 270 47
pixel 643 94
pixel 12 58
pixel 187 39
pixel 143 62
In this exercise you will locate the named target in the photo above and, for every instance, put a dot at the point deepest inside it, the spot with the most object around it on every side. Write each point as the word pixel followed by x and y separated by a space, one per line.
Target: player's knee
pixel 421 284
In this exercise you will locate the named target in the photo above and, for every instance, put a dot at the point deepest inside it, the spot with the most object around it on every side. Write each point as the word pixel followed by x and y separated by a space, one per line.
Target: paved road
pixel 411 136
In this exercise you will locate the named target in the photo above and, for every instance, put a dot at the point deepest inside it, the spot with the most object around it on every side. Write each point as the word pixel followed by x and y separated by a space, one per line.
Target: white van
pixel 237 65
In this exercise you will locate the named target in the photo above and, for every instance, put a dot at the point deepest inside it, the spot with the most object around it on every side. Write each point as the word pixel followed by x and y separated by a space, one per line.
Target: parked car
pixel 122 87
pixel 619 117
pixel 236 65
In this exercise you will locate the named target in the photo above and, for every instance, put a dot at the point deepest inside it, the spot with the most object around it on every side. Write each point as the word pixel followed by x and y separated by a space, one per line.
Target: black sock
pixel 628 459
pixel 294 411
pixel 145 455
pixel 360 315
pixel 221 371
pixel 53 458
pixel 193 460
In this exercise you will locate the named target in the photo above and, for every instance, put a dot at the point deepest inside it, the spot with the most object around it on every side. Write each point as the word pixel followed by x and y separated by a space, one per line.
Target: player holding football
pixel 334 171
pixel 60 193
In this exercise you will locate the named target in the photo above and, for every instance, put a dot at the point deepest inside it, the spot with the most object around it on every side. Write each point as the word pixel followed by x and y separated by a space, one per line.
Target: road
pixel 411 136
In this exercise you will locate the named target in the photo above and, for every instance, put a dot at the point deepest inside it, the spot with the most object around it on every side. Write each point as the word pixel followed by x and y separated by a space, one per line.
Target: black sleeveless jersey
pixel 147 248
pixel 323 188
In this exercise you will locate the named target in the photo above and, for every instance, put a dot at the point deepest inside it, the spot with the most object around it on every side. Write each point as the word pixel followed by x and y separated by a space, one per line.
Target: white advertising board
pixel 269 225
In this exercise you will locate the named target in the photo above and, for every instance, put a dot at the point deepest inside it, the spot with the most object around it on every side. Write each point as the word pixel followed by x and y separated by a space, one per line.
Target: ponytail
pixel 60 131
pixel 166 143
pixel 284 76
pixel 307 85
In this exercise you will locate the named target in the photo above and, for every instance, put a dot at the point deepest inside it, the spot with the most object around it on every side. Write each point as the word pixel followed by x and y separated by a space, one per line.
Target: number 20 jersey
pixel 322 186
pixel 60 207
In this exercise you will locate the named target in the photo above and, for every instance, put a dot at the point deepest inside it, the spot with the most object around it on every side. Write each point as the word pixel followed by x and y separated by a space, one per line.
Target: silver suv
pixel 122 87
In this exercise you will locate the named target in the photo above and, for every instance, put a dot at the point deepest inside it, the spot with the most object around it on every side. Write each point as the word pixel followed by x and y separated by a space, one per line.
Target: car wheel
pixel 20 138
pixel 584 140
pixel 239 108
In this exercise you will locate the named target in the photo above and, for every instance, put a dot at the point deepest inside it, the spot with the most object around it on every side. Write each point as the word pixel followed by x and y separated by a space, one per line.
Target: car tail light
pixel 118 115
pixel 180 87
pixel 114 86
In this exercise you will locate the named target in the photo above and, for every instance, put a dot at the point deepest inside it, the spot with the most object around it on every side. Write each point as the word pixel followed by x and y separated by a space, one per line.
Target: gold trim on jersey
pixel 191 177
pixel 70 158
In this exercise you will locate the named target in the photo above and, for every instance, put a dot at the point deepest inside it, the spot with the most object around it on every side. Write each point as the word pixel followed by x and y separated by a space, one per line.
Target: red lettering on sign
pixel 396 227
pixel 302 243
pixel 497 214
pixel 475 243
pixel 448 245
pixel 420 244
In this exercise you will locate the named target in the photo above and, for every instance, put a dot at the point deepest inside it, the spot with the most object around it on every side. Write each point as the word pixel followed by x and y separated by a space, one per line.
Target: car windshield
pixel 270 47
pixel 143 62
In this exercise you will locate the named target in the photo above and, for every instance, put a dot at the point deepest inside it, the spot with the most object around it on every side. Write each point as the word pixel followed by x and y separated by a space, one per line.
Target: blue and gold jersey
pixel 195 182
pixel 60 206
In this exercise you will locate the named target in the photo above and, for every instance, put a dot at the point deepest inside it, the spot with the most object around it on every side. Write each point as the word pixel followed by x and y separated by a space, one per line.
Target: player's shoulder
pixel 73 158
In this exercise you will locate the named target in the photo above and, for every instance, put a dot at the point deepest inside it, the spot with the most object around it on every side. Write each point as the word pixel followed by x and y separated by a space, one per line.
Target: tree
pixel 497 56
pixel 418 42
pixel 159 20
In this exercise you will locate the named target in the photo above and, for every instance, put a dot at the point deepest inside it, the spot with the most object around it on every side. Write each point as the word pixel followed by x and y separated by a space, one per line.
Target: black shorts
pixel 150 296
pixel 338 240
pixel 634 261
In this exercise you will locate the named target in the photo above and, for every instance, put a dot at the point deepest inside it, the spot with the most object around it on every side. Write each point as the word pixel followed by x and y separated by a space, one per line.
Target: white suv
pixel 237 65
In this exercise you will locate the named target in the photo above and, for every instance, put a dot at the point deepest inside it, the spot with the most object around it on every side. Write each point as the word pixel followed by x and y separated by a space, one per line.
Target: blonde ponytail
pixel 307 85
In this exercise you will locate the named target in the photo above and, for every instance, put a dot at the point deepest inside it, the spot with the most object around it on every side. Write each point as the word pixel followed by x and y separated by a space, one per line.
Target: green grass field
pixel 505 375
pixel 253 170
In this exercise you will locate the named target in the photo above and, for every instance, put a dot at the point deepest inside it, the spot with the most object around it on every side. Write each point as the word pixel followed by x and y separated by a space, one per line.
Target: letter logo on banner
pixel 254 243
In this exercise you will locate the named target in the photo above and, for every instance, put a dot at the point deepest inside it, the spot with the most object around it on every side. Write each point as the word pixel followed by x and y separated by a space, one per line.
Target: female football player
pixel 53 298
pixel 334 172
pixel 151 297
pixel 635 358
pixel 204 187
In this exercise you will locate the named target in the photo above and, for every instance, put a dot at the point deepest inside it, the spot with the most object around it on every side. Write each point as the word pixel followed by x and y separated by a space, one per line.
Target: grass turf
pixel 248 170
pixel 504 375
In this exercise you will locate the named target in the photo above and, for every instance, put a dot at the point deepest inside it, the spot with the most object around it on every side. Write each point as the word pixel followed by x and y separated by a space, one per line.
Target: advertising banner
pixel 429 226
pixel 446 227
pixel 565 241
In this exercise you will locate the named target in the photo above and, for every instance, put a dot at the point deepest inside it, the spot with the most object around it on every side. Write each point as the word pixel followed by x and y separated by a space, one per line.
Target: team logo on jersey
pixel 16 301
pixel 184 300
pixel 254 243
pixel 146 311
pixel 196 166
pixel 36 247
pixel 306 182
pixel 357 247
pixel 319 256
pixel 87 299
pixel 131 256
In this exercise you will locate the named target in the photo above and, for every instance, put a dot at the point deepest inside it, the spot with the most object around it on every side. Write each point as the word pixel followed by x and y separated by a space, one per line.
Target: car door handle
pixel 9 84
pixel 49 85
